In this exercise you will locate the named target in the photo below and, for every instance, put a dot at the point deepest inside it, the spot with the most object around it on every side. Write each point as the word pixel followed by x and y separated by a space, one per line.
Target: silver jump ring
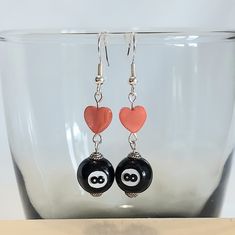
pixel 97 140
pixel 132 97
pixel 133 146
pixel 98 97
pixel 132 141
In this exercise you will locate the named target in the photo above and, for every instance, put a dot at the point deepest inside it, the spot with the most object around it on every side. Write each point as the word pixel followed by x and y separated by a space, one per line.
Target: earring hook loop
pixel 132 44
pixel 102 38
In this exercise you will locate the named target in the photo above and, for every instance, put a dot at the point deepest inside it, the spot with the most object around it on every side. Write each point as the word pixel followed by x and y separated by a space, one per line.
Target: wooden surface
pixel 119 227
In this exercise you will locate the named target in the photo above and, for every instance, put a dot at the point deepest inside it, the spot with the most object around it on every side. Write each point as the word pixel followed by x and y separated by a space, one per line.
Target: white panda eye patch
pixel 97 179
pixel 130 177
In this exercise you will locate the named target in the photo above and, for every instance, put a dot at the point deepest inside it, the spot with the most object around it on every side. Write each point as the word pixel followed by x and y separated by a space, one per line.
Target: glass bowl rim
pixel 12 34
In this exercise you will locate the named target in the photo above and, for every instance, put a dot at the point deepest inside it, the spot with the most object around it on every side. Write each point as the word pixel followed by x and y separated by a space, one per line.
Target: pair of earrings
pixel 133 174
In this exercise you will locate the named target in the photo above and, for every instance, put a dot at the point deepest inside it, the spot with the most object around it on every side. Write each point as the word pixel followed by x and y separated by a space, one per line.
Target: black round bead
pixel 134 175
pixel 95 175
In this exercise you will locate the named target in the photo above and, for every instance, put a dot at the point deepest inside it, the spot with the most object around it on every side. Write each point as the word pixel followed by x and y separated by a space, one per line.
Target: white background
pixel 101 15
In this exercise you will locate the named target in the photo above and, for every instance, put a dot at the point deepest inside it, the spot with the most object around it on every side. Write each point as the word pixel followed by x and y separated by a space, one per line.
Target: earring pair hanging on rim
pixel 133 174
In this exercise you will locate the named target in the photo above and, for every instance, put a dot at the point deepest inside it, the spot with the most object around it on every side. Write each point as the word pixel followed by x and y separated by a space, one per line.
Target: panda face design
pixel 95 176
pixel 97 179
pixel 130 177
pixel 133 175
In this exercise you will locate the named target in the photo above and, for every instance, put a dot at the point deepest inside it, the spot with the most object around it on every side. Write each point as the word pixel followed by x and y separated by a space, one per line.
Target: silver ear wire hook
pixel 132 79
pixel 106 49
pixel 99 52
pixel 99 78
pixel 132 43
pixel 102 37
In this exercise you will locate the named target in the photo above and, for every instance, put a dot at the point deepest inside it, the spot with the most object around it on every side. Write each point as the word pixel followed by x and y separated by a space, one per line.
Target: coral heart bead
pixel 98 119
pixel 133 119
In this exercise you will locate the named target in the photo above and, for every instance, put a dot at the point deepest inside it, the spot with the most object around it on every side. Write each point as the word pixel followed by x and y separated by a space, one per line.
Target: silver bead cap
pixel 134 155
pixel 131 195
pixel 96 156
pixel 96 194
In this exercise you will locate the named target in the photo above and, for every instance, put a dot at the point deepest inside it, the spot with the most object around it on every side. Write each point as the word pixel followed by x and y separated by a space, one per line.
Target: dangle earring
pixel 96 174
pixel 133 173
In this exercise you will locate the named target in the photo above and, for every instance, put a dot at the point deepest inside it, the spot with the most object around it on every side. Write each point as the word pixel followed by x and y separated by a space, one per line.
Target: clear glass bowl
pixel 187 84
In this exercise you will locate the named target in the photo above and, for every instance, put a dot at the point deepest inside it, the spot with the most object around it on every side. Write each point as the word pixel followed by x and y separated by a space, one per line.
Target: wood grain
pixel 119 227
